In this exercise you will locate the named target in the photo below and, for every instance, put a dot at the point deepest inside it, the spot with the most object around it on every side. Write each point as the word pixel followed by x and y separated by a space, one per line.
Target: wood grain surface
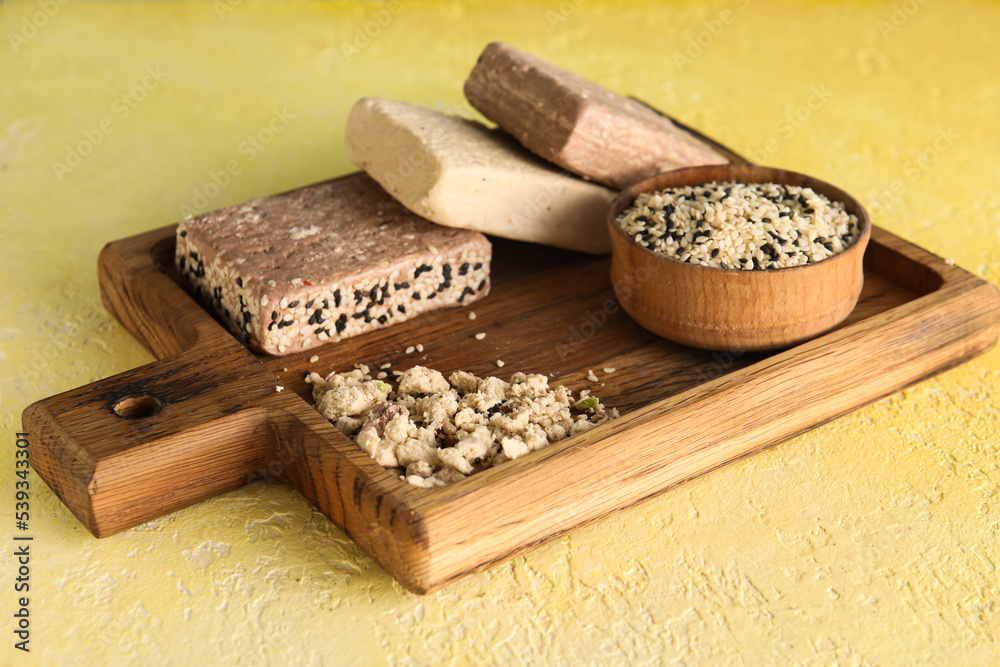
pixel 208 416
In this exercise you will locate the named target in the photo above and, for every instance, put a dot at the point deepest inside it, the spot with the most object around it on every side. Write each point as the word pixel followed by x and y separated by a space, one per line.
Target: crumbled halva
pixel 433 430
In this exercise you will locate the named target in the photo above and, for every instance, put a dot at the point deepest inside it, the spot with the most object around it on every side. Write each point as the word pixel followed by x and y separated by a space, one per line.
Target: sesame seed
pixel 500 363
pixel 420 348
pixel 385 366
pixel 278 388
pixel 481 335
pixel 609 370
pixel 472 315
pixel 410 349
pixel 313 359
pixel 699 228
pixel 591 376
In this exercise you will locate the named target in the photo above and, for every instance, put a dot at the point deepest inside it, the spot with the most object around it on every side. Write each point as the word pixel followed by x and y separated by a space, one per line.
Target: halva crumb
pixel 430 430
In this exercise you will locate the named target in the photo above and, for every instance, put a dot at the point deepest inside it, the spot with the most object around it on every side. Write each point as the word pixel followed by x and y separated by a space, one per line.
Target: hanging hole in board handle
pixel 137 407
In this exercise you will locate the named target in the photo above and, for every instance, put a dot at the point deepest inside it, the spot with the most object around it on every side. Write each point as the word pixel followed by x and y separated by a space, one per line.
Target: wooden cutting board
pixel 210 416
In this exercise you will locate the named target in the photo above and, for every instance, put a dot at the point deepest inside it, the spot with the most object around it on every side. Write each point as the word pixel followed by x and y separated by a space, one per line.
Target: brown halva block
pixel 293 271
pixel 578 124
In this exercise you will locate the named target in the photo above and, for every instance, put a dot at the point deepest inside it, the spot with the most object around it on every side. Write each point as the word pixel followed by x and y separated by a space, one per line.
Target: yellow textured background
pixel 871 540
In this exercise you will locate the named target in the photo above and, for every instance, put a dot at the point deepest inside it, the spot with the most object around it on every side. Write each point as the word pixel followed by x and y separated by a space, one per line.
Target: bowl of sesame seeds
pixel 737 257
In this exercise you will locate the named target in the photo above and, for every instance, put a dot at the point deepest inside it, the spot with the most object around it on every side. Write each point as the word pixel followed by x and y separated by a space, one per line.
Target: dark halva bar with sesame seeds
pixel 294 271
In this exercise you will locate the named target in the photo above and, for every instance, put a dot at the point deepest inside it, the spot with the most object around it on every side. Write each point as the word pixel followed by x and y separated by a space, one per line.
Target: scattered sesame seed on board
pixel 500 363
pixel 609 370
pixel 278 387
pixel 410 349
pixel 420 347
pixel 472 315
pixel 385 366
pixel 381 376
pixel 591 376
pixel 481 335
pixel 313 359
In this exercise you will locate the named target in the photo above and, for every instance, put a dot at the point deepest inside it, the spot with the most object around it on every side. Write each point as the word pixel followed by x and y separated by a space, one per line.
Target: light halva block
pixel 459 173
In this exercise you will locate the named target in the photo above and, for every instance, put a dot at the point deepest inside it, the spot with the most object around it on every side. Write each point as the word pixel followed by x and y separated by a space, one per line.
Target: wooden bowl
pixel 733 309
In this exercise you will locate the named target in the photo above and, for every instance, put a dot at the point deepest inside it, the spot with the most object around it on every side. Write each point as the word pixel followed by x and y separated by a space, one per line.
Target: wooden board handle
pixel 131 447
